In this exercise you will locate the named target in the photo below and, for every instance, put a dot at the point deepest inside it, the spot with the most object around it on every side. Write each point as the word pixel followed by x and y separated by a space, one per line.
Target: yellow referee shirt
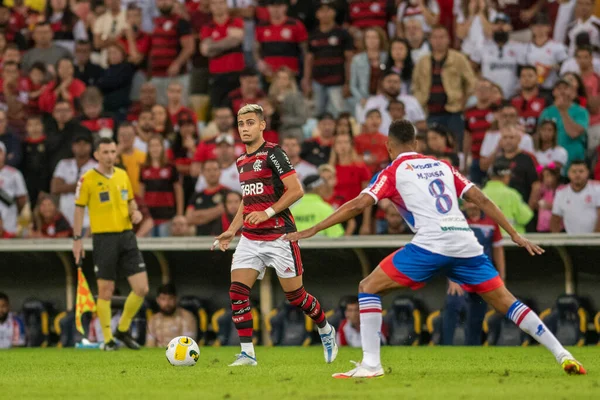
pixel 107 200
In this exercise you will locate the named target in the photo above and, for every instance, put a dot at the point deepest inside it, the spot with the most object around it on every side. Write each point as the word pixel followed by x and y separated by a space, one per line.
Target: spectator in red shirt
pixel 13 96
pixel 281 42
pixel 171 48
pixel 48 221
pixel 182 153
pixel 221 42
pixel 363 14
pixel 135 41
pixel 146 102
pixel 591 82
pixel 93 116
pixel 371 144
pixel 37 83
pixel 478 120
pixel 64 87
pixel 160 187
pixel 531 100
pixel 207 149
pixel 352 175
pixel 249 91
pixel 178 112
pixel 11 32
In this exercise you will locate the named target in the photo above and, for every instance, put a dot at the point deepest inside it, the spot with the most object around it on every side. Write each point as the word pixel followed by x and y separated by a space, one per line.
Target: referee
pixel 106 191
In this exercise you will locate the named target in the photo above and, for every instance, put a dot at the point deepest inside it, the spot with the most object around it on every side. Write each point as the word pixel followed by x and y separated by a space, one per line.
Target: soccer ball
pixel 183 351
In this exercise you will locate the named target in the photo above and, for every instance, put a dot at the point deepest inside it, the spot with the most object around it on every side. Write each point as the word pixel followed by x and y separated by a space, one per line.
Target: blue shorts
pixel 413 266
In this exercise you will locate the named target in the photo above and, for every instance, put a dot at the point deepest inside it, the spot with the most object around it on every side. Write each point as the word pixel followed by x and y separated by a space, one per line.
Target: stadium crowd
pixel 507 91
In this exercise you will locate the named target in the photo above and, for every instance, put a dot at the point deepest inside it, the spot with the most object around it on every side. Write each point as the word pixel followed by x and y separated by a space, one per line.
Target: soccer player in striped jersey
pixel 269 187
pixel 426 192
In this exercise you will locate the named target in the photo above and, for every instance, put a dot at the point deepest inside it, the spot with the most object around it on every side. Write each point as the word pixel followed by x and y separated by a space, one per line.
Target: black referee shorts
pixel 116 253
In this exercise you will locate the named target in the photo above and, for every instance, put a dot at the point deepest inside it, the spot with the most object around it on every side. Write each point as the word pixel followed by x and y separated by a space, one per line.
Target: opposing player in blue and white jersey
pixel 426 192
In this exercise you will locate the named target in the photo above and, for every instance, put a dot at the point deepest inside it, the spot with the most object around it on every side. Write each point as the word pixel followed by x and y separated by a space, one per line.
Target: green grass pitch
pixel 296 373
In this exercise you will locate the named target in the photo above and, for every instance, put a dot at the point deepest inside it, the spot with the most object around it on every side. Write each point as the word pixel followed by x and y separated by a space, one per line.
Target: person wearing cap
pixel 591 81
pixel 312 209
pixel 543 53
pixel 317 150
pixel 506 198
pixel 225 157
pixel 327 63
pixel 13 193
pixel 572 121
pixel 499 57
pixel 586 22
pixel 521 13
pixel 67 173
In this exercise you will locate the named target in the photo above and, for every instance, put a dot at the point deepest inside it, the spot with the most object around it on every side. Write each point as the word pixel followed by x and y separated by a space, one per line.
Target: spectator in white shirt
pixel 547 150
pixel 577 205
pixel 292 147
pixel 67 174
pixel 390 88
pixel 12 329
pixel 225 155
pixel 586 22
pixel 415 36
pixel 425 11
pixel 500 57
pixel 543 53
pixel 13 193
pixel 472 22
pixel 564 16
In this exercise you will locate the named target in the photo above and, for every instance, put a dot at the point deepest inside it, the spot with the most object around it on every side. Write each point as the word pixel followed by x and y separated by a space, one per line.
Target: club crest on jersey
pixel 257 165
pixel 286 33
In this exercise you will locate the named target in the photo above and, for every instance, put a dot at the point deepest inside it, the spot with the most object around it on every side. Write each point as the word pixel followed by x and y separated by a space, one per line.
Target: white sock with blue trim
pixel 370 328
pixel 530 323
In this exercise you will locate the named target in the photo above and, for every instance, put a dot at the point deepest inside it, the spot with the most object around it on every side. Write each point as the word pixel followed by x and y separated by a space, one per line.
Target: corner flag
pixel 84 302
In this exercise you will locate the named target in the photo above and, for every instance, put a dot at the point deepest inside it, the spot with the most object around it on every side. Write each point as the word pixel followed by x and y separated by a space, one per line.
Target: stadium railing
pixel 567 247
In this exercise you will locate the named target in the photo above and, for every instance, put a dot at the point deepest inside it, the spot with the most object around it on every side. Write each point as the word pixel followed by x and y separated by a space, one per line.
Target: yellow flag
pixel 84 302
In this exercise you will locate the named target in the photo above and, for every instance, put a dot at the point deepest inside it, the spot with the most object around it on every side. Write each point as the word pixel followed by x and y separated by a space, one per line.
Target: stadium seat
pixel 501 331
pixel 36 320
pixel 224 329
pixel 567 320
pixel 199 308
pixel 289 326
pixel 435 329
pixel 597 325
pixel 403 320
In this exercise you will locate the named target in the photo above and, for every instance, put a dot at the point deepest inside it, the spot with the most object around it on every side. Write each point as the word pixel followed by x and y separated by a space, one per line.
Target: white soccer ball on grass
pixel 183 351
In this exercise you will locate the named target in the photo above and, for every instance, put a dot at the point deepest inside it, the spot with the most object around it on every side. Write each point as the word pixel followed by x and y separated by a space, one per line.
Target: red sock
pixel 309 304
pixel 241 309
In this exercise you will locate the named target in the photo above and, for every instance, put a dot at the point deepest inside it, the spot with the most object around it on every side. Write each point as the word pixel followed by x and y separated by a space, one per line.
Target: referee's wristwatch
pixel 77 237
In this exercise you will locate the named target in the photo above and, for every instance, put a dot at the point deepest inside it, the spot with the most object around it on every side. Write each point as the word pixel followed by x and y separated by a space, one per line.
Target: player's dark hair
pixel 402 131
pixel 4 296
pixel 104 140
pixel 168 289
pixel 373 111
pixel 528 67
pixel 579 162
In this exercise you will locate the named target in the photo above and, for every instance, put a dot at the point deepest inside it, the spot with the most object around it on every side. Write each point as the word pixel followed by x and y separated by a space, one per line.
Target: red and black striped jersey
pixel 478 121
pixel 165 43
pixel 230 60
pixel 364 14
pixel 159 191
pixel 280 44
pixel 261 179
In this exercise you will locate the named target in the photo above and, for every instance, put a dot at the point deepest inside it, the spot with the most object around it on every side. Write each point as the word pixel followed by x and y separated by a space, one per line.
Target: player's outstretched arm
pixel 491 210
pixel 349 210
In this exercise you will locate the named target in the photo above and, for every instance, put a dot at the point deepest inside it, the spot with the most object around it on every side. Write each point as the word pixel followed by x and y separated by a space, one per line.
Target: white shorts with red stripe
pixel 279 254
